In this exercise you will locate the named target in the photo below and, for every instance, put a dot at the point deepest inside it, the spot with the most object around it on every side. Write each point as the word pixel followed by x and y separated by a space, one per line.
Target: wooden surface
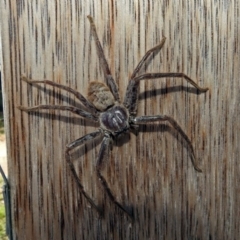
pixel 151 172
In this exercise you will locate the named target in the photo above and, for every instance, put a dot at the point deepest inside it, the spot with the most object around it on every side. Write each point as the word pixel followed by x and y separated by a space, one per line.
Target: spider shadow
pixel 76 121
pixel 125 138
pixel 166 128
pixel 60 97
pixel 163 91
pixel 148 128
pixel 79 152
pixel 122 139
pixel 89 146
pixel 149 93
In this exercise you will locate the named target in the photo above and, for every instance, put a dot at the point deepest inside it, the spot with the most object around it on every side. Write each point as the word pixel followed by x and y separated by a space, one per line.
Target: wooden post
pixel 151 172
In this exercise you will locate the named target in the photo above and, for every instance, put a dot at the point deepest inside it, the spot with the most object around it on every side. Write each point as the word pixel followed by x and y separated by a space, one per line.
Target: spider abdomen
pixel 115 119
pixel 100 95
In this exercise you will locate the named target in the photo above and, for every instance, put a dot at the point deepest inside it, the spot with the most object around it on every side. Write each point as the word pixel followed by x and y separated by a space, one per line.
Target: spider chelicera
pixel 103 105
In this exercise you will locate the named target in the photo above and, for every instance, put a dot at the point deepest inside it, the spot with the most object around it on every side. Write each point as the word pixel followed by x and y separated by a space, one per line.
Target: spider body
pixel 103 106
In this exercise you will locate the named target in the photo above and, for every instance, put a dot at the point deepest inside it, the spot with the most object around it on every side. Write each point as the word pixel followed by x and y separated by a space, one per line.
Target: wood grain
pixel 151 172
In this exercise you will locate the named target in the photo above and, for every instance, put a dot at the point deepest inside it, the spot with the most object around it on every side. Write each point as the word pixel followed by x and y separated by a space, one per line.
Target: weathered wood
pixel 151 172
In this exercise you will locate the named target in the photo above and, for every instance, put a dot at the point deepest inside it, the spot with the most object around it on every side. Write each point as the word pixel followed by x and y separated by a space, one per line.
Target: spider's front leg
pixel 70 147
pixel 103 62
pixel 147 119
pixel 131 97
pixel 75 110
pixel 78 95
pixel 92 114
pixel 103 154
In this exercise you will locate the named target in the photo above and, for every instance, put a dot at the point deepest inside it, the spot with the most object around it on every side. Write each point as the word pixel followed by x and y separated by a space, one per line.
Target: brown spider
pixel 114 117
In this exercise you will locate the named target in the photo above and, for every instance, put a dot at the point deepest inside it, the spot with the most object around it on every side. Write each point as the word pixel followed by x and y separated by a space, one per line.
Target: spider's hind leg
pixel 73 145
pixel 175 125
pixel 102 154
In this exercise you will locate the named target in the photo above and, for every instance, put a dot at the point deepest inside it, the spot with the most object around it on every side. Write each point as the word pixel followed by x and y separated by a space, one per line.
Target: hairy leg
pixel 73 145
pixel 107 73
pixel 145 57
pixel 131 97
pixel 78 95
pixel 132 92
pixel 75 110
pixel 164 75
pixel 147 119
pixel 103 154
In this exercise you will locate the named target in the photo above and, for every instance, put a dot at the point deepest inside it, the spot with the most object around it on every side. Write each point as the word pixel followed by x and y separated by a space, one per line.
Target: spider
pixel 114 117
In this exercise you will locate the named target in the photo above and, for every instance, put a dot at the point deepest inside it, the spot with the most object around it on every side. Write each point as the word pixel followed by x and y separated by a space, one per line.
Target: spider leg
pixel 131 96
pixel 106 70
pixel 147 119
pixel 73 145
pixel 145 57
pixel 102 154
pixel 78 95
pixel 164 75
pixel 75 110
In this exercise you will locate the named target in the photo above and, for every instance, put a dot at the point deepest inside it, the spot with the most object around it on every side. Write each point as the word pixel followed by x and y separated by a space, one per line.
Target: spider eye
pixel 100 95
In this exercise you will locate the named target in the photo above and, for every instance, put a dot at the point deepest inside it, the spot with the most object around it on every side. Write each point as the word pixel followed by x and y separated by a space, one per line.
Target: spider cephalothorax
pixel 103 105
pixel 115 119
